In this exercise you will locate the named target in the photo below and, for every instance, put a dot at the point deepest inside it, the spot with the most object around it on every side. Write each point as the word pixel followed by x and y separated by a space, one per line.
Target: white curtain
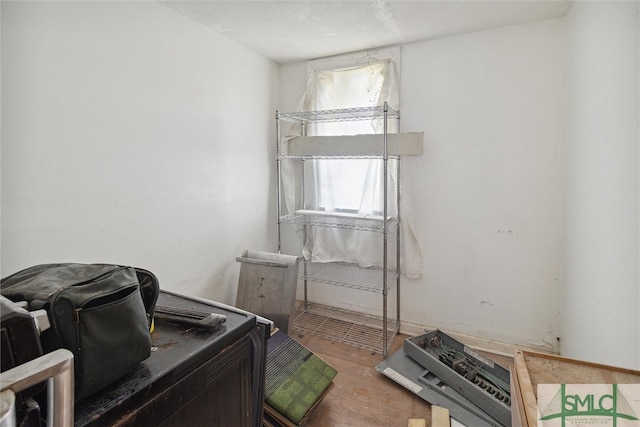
pixel 353 185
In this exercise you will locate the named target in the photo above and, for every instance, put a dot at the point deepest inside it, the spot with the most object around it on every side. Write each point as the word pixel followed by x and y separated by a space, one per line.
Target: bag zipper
pixel 76 320
pixel 78 309
pixel 108 273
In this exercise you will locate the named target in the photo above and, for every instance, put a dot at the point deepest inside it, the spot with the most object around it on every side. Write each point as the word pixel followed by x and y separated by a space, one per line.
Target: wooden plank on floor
pixel 526 390
pixel 415 422
pixel 440 417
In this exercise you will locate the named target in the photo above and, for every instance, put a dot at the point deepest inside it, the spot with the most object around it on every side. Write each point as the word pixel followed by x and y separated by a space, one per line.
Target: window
pixel 355 80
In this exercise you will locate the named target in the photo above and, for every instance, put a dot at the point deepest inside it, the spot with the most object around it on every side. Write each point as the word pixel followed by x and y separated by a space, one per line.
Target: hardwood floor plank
pixel 361 396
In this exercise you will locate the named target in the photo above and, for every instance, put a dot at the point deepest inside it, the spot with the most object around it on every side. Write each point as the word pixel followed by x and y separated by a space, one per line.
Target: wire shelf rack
pixel 355 329
pixel 339 114
pixel 348 275
pixel 364 224
pixel 338 157
pixel 367 331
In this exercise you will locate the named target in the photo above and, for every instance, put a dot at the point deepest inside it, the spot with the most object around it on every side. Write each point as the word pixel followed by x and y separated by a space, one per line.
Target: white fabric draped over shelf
pixel 351 185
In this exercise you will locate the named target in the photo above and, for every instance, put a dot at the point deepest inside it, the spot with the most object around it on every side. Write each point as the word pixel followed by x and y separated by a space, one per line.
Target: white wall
pixel 601 318
pixel 489 188
pixel 132 135
pixel 488 191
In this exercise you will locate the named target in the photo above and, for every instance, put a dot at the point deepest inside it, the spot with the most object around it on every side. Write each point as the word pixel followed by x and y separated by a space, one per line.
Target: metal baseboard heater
pixel 446 373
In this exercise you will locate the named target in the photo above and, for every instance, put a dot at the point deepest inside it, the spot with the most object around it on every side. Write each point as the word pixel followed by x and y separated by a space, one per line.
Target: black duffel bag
pixel 100 312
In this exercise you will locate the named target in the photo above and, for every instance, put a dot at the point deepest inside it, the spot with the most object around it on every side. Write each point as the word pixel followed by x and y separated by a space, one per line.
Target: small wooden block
pixel 440 417
pixel 417 422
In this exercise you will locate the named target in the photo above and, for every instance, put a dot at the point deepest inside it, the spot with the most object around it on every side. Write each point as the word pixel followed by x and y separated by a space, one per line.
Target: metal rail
pixel 341 114
pixel 56 368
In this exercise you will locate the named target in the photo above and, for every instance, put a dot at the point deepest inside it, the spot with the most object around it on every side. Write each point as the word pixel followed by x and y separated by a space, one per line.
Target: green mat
pixel 295 377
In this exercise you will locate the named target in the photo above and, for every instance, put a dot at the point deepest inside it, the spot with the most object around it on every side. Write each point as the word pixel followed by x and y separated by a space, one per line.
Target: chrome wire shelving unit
pixel 348 276
pixel 350 223
pixel 330 157
pixel 382 112
pixel 356 329
pixel 379 280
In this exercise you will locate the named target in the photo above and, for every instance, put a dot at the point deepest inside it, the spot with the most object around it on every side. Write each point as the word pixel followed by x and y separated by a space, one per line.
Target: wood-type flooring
pixel 363 397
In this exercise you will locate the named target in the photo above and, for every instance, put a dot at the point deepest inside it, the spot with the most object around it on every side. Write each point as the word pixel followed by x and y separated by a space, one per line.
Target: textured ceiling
pixel 296 30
